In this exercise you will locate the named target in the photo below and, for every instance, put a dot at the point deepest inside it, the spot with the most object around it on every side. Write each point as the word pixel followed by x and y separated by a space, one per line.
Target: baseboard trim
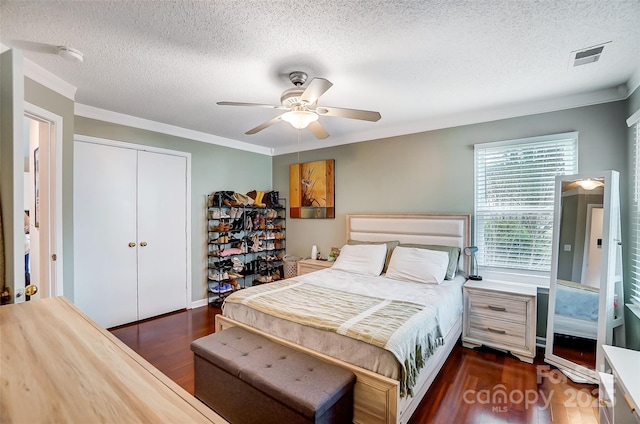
pixel 198 304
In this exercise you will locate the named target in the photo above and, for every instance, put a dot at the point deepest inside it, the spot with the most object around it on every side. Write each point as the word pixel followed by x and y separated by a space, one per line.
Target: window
pixel 634 265
pixel 514 199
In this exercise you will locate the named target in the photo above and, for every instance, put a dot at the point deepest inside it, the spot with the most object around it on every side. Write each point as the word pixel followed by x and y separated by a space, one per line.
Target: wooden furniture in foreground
pixel 59 366
pixel 306 266
pixel 620 391
pixel 502 316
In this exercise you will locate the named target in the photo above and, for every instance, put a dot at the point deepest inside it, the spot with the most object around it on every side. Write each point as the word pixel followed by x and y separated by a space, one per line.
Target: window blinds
pixel 514 199
pixel 635 220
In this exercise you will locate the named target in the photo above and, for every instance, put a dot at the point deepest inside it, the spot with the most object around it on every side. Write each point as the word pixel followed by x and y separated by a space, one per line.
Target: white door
pixel 105 245
pixel 162 249
pixel 592 265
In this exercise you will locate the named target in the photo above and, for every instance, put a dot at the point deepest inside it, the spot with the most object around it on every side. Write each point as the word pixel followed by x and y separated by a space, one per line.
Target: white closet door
pixel 104 223
pixel 162 246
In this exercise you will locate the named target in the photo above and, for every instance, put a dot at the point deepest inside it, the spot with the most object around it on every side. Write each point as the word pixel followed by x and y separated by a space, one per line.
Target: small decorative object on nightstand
pixel 306 266
pixel 471 251
pixel 502 316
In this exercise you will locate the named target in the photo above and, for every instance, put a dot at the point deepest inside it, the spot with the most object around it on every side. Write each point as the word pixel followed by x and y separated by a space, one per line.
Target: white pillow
pixel 362 258
pixel 419 265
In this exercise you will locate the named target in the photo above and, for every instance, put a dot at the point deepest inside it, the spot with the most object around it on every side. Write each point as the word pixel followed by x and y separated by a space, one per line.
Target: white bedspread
pixel 446 298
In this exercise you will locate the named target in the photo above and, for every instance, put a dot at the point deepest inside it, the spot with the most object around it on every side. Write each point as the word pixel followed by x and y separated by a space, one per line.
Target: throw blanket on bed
pixel 408 330
pixel 577 300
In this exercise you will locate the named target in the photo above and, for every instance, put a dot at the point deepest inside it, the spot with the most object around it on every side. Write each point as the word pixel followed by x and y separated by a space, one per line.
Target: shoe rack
pixel 246 245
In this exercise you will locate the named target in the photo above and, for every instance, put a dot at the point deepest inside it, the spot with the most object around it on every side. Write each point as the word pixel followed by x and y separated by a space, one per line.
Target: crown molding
pixel 46 78
pixel 146 124
pixel 49 80
pixel 634 81
pixel 591 98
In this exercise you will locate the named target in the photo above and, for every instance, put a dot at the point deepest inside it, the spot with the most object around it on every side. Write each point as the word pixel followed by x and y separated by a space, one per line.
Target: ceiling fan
pixel 301 107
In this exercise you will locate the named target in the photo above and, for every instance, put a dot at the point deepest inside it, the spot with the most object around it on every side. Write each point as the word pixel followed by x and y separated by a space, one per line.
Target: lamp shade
pixel 470 250
pixel 299 118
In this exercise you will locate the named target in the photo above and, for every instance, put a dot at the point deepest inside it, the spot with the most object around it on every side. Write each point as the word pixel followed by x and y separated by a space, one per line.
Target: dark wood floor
pixel 474 386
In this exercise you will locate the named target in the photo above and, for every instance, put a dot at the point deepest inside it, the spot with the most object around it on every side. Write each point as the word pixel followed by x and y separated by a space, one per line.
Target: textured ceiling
pixel 421 64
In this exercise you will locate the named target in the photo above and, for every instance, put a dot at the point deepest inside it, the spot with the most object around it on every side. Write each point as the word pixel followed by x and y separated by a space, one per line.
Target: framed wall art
pixel 311 189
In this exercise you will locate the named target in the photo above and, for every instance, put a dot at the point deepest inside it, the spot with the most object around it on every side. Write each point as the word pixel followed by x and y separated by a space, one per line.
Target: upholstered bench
pixel 247 378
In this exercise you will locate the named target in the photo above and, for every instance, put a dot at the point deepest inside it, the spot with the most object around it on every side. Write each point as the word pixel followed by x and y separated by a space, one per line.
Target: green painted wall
pixel 212 168
pixel 433 171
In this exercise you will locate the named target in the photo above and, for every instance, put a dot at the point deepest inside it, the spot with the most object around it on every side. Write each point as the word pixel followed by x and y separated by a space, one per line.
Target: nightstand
pixel 306 266
pixel 500 315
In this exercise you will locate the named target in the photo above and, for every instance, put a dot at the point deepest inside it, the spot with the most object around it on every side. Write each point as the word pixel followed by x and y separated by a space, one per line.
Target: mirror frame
pixel 610 277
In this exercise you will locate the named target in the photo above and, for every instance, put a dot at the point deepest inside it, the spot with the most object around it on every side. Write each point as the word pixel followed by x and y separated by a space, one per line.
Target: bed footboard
pixel 375 396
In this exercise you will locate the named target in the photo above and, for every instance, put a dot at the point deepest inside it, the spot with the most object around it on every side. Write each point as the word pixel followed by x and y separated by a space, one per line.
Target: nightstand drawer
pixel 505 307
pixel 306 266
pixel 499 332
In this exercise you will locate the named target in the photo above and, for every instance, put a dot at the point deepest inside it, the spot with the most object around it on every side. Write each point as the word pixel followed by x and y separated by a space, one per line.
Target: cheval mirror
pixel 585 292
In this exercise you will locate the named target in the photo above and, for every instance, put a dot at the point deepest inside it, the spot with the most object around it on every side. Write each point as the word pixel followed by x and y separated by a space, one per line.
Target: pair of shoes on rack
pixel 218 275
pixel 271 214
pixel 235 213
pixel 265 278
pixel 218 214
pixel 237 264
pixel 222 227
pixel 222 240
pixel 221 288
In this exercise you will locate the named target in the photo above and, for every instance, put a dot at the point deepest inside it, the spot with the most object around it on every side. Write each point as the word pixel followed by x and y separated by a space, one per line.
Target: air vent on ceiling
pixel 588 55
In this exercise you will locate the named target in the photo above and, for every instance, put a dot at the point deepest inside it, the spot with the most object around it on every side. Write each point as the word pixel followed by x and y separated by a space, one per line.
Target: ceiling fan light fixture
pixel 299 119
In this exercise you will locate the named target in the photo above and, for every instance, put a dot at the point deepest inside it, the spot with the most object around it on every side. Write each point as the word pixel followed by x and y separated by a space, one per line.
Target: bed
pixel 388 390
pixel 576 312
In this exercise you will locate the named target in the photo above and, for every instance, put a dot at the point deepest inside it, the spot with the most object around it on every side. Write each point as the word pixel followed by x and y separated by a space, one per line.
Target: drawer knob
pixel 493 330
pixel 498 308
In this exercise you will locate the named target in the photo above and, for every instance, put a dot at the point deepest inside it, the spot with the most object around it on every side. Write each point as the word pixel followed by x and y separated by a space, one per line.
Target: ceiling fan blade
pixel 316 88
pixel 363 115
pixel 264 125
pixel 250 104
pixel 318 130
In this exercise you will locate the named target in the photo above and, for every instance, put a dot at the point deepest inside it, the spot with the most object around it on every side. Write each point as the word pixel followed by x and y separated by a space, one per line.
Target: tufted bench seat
pixel 247 378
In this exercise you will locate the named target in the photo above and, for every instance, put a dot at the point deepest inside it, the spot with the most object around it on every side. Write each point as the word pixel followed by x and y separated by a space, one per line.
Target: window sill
pixel 538 280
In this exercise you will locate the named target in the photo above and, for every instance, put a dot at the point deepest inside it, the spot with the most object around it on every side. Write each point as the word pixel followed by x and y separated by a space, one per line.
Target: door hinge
pixel 54 257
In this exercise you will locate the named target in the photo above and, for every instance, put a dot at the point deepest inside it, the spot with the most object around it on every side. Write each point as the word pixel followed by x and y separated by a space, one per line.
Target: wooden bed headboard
pixel 438 229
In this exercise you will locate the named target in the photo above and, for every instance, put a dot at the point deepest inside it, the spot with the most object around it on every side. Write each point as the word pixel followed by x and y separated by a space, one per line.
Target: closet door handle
pixel 143 243
pixel 132 244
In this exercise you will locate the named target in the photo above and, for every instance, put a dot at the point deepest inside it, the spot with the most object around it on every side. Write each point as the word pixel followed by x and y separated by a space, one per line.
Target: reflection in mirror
pixel 585 274
pixel 575 323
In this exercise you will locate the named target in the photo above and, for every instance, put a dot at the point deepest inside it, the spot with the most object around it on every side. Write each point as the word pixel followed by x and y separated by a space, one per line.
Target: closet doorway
pixel 131 230
pixel 42 152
